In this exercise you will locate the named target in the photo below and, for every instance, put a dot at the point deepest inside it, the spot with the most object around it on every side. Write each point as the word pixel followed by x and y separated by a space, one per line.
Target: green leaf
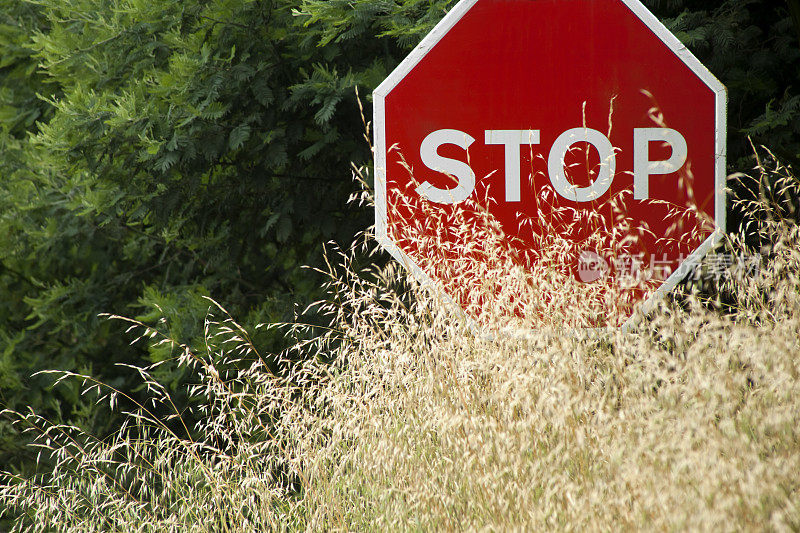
pixel 238 136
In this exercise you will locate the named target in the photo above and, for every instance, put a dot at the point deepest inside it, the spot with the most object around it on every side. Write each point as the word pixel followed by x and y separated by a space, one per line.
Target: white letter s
pixel 452 167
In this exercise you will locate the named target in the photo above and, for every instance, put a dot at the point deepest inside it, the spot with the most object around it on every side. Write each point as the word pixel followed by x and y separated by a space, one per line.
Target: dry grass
pixel 402 416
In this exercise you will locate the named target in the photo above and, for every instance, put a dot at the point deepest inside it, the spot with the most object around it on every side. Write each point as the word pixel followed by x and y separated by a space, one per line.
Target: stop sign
pixel 552 115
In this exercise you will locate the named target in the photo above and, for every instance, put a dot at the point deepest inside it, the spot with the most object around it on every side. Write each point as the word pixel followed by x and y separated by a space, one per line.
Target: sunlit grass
pixel 403 414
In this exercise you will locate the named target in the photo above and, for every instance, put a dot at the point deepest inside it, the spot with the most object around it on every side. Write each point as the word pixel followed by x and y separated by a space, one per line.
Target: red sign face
pixel 582 119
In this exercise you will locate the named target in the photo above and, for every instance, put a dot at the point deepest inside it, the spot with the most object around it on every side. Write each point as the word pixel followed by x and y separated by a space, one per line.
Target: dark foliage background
pixel 153 152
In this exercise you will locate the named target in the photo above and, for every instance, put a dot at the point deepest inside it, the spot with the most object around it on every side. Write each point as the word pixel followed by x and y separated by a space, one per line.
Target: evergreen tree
pixel 176 149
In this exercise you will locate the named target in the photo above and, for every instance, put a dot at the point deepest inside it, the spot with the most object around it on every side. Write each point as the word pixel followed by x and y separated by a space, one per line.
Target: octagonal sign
pixel 587 133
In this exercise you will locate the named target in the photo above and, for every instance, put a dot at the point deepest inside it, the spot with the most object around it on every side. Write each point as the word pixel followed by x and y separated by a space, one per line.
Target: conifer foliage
pixel 154 152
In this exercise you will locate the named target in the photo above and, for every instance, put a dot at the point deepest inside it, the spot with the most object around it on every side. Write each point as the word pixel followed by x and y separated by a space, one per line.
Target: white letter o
pixel 555 165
